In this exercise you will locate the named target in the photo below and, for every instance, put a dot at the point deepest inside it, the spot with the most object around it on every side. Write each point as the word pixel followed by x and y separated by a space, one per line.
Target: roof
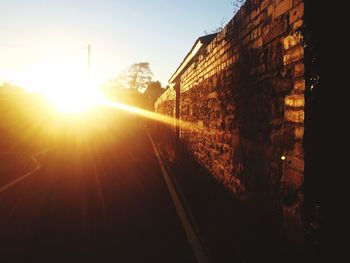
pixel 200 42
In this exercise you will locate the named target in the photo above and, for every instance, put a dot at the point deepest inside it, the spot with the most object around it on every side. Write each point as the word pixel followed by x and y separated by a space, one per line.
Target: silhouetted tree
pixel 139 74
pixel 153 91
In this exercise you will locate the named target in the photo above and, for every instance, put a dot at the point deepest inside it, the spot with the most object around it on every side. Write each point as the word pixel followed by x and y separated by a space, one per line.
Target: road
pixel 97 198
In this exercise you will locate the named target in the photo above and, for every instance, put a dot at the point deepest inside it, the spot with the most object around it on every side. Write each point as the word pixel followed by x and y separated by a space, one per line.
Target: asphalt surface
pixel 96 198
pixel 230 229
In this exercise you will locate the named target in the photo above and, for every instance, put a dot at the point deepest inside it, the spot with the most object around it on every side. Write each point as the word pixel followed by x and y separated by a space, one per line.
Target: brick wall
pixel 166 103
pixel 243 93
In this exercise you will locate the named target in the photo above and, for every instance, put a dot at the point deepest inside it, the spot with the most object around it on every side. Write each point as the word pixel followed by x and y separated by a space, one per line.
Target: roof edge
pixel 201 41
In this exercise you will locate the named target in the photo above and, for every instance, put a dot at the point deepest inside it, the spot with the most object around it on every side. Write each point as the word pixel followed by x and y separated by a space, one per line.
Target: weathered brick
pixel 292 177
pixel 254 13
pixel 270 10
pixel 274 29
pixel 246 40
pixel 293 55
pixel 255 33
pixel 296 13
pixel 273 56
pixel 299 85
pixel 299 133
pixel 264 4
pixel 282 85
pixel 299 70
pixel 298 149
pixel 295 163
pixel 294 101
pixel 200 124
pixel 297 2
pixel 294 116
pixel 297 25
pixel 283 7
pixel 257 43
pixel 292 40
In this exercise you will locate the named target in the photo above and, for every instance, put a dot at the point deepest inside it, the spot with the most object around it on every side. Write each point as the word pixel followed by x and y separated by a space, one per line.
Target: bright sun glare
pixel 65 82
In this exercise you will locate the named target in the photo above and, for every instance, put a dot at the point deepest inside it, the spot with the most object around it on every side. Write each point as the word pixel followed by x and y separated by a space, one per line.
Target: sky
pixel 120 32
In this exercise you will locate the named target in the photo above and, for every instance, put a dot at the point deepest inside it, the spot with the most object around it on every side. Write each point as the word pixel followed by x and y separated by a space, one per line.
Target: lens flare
pixel 64 81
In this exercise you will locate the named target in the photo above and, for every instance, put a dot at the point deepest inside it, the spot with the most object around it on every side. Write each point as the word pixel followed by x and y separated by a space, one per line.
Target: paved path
pixel 95 199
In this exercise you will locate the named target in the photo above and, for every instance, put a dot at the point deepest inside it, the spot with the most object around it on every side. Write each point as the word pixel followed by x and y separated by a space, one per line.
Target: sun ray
pixel 64 81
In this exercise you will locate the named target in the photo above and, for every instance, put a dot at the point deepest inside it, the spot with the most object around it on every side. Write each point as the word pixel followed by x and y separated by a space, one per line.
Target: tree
pixel 139 74
pixel 153 91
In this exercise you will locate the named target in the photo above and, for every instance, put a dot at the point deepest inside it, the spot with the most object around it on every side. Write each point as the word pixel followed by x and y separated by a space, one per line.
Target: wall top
pixel 200 42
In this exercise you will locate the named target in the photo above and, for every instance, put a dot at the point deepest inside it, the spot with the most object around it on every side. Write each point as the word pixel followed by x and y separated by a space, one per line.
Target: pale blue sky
pixel 120 32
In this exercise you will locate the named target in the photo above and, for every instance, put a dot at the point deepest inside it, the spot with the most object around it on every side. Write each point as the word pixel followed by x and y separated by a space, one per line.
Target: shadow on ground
pixel 230 229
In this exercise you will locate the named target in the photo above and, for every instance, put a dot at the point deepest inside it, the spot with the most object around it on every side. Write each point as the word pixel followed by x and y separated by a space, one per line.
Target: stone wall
pixel 243 93
pixel 166 103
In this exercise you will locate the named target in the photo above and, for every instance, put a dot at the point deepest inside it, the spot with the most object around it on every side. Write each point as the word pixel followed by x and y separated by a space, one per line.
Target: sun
pixel 73 102
pixel 65 82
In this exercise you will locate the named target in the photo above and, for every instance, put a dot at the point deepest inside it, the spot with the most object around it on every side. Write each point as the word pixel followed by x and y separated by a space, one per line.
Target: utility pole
pixel 89 61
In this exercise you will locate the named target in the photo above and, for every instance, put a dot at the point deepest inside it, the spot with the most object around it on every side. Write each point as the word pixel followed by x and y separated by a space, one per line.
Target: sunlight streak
pixel 150 115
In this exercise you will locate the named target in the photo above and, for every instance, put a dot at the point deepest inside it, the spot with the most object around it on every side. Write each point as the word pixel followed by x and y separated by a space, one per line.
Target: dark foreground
pixel 98 195
pixel 95 199
pixel 230 229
